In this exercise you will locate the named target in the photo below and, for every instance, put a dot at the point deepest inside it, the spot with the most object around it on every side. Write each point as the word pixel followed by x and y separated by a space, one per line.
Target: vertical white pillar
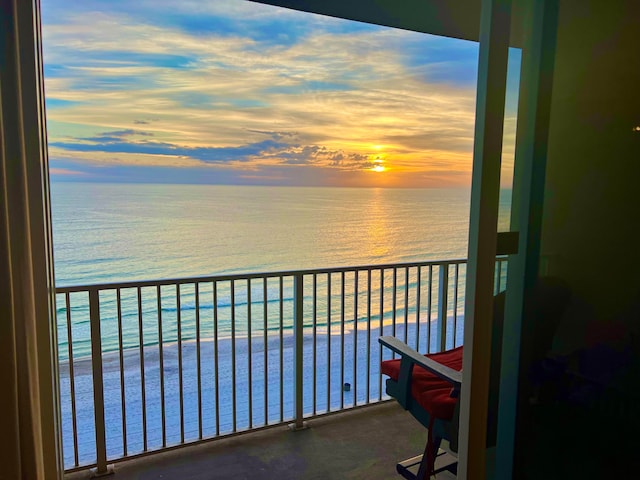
pixel 492 75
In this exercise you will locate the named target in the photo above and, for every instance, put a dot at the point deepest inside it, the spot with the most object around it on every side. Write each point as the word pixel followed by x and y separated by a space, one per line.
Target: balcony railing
pixel 147 366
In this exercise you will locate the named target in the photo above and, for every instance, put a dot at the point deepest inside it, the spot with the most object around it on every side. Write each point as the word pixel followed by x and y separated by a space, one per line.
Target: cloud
pixel 115 147
pixel 90 160
pixel 247 86
pixel 115 136
pixel 66 172
pixel 114 144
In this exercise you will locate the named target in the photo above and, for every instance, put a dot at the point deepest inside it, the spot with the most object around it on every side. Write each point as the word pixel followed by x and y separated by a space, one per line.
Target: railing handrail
pixel 248 276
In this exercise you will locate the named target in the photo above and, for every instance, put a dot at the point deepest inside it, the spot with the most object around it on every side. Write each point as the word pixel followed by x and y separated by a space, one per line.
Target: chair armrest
pixel 446 373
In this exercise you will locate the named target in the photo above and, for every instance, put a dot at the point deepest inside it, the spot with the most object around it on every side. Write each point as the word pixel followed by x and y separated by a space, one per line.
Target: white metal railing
pixel 146 366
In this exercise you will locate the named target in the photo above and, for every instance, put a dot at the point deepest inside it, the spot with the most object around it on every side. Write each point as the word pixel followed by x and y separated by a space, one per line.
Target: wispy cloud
pixel 66 172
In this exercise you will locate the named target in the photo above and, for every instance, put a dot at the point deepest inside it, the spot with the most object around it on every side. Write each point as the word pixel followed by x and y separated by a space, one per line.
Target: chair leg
pixel 417 467
pixel 428 458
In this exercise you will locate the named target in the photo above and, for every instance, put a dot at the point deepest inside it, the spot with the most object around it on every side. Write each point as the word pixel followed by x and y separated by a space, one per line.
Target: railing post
pixel 98 387
pixel 298 332
pixel 443 303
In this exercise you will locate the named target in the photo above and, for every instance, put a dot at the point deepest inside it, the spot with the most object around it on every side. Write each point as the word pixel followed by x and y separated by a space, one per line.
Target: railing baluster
pixel 368 335
pixel 143 398
pixel 123 396
pixel 455 306
pixel 394 302
pixel 216 359
pixel 443 285
pixel 233 355
pixel 381 331
pixel 342 297
pixel 430 308
pixel 98 385
pixel 281 349
pixel 266 346
pixel 198 359
pixel 74 421
pixel 315 340
pixel 418 288
pixel 328 342
pixel 355 339
pixel 249 354
pixel 180 379
pixel 406 305
pixel 161 369
pixel 298 329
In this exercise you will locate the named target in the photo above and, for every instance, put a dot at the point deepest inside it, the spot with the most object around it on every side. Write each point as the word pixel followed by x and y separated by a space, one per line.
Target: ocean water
pixel 121 232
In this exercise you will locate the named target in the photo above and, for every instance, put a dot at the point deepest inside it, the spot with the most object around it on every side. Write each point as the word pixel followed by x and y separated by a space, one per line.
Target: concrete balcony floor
pixel 363 444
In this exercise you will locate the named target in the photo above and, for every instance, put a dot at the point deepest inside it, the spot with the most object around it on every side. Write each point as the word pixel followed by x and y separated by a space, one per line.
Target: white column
pixel 492 76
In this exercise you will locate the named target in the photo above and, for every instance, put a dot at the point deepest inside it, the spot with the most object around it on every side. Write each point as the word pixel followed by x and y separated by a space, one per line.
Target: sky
pixel 234 92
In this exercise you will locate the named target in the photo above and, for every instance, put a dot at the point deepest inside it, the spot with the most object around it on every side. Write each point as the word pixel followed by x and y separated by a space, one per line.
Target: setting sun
pixel 378 168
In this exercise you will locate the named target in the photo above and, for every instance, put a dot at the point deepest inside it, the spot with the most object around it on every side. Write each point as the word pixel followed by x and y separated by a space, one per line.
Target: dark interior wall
pixel 592 210
pixel 581 428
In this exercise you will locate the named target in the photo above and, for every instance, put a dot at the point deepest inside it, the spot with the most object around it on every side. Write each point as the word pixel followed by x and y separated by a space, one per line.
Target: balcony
pixel 147 367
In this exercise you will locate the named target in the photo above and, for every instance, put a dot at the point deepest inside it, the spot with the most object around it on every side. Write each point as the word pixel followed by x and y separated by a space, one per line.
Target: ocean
pixel 121 232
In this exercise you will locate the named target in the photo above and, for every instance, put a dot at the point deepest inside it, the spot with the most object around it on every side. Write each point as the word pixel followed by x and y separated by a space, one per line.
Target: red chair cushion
pixel 429 390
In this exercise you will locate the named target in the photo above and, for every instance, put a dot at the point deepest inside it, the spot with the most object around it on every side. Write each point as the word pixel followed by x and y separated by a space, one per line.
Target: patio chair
pixel 430 391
